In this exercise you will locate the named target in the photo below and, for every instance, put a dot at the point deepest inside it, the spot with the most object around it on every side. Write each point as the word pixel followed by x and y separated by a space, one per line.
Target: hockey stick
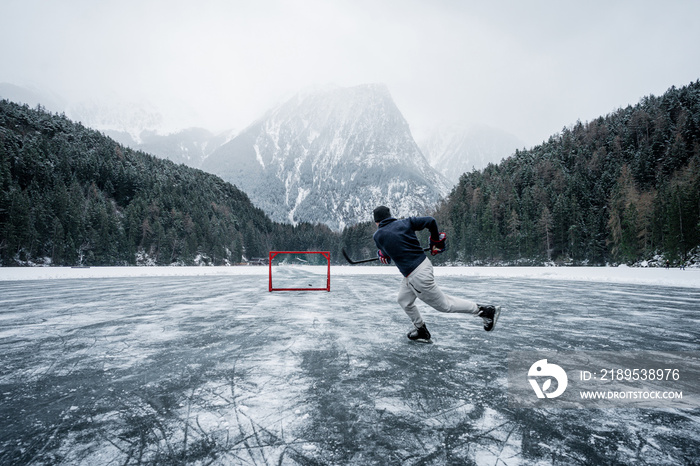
pixel 361 261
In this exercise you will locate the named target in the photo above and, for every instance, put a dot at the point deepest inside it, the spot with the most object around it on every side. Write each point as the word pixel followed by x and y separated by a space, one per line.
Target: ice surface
pixel 205 366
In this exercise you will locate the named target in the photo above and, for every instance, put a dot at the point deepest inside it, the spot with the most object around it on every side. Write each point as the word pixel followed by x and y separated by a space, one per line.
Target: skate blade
pixel 495 317
pixel 422 340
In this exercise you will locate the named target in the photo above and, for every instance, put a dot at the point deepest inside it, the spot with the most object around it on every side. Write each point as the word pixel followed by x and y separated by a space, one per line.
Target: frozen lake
pixel 205 366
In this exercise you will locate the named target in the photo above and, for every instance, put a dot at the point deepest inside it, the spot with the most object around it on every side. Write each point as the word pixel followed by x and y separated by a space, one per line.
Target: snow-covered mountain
pixel 330 156
pixel 136 123
pixel 32 96
pixel 108 114
pixel 144 127
pixel 117 115
pixel 453 150
pixel 188 146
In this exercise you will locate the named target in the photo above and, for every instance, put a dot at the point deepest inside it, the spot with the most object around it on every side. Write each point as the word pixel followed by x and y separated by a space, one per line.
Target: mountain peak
pixel 330 156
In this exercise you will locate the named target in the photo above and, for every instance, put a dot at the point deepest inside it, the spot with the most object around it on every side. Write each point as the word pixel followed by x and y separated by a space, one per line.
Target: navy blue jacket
pixel 397 239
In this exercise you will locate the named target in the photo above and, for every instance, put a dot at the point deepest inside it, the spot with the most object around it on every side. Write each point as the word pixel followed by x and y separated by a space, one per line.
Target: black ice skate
pixel 419 334
pixel 489 314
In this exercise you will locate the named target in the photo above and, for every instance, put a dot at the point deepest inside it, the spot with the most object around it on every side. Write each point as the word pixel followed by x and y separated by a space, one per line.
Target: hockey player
pixel 396 240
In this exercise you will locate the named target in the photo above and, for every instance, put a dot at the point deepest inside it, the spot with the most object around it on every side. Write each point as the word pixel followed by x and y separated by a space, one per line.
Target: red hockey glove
pixel 437 247
pixel 384 259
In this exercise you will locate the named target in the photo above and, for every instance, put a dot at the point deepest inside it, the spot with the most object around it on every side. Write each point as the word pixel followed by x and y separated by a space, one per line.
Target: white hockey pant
pixel 421 284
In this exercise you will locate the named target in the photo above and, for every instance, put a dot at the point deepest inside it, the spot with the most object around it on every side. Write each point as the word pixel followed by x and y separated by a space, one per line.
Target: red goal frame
pixel 325 254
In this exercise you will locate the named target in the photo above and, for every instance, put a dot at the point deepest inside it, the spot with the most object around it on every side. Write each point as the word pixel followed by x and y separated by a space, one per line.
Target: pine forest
pixel 623 188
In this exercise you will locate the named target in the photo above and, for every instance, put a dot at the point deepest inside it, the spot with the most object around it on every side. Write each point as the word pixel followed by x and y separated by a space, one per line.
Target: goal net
pixel 300 271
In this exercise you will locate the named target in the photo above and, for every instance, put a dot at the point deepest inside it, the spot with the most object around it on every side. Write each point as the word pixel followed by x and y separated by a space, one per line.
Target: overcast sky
pixel 527 67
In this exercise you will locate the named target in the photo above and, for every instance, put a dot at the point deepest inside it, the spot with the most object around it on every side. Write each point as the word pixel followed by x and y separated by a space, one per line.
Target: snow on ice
pixel 631 275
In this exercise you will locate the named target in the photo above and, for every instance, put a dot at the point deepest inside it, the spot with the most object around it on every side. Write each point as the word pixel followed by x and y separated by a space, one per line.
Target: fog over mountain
pixel 453 150
pixel 135 123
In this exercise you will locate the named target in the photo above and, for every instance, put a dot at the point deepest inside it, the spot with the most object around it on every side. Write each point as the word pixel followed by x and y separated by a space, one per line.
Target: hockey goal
pixel 300 271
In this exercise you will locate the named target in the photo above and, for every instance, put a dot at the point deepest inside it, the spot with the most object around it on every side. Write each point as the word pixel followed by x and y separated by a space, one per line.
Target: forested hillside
pixel 620 189
pixel 70 195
